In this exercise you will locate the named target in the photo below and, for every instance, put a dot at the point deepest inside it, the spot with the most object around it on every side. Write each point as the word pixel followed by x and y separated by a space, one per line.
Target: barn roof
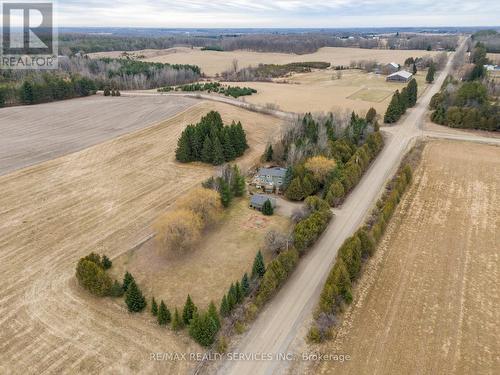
pixel 401 73
pixel 259 200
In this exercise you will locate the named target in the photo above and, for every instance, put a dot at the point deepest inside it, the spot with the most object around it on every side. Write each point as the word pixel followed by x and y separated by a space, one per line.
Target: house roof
pixel 260 199
pixel 273 172
pixel 401 73
pixel 394 65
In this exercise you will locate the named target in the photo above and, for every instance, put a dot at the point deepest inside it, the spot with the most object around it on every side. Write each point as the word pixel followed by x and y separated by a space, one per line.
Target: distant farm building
pixel 401 76
pixel 391 68
pixel 257 201
pixel 270 179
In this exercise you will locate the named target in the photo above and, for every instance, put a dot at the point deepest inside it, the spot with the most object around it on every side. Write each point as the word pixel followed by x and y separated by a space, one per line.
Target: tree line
pixel 211 142
pixel 234 91
pixel 400 102
pixel 356 250
pixel 46 88
pixel 266 72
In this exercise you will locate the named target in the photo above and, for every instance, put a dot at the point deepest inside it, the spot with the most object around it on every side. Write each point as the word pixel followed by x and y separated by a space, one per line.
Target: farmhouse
pixel 401 76
pixel 257 201
pixel 270 179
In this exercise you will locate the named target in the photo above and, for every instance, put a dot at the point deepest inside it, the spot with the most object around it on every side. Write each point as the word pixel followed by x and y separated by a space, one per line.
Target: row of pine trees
pixel 211 142
pixel 401 102
pixel 203 326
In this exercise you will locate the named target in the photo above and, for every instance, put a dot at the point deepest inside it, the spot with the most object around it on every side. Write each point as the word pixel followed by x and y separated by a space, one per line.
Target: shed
pixel 257 201
pixel 401 76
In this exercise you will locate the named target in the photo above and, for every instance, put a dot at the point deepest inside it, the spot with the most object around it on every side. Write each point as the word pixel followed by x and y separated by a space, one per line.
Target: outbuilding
pixel 257 201
pixel 401 76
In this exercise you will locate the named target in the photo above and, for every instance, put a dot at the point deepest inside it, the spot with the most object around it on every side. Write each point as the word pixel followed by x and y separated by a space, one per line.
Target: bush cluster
pixel 307 231
pixel 91 275
pixel 211 142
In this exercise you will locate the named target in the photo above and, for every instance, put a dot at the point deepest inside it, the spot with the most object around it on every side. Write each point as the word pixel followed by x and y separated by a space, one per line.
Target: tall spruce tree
pixel 430 74
pixel 207 151
pixel 212 312
pixel 134 299
pixel 267 208
pixel 217 152
pixel 224 307
pixel 412 92
pixel 164 316
pixel 226 195
pixel 188 311
pixel 238 292
pixel 237 182
pixel 127 279
pixel 183 151
pixel 227 146
pixel 177 322
pixel 414 68
pixel 245 285
pixel 259 268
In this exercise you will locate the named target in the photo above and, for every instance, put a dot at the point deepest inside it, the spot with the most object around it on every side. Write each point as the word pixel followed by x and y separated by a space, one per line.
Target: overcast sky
pixel 278 13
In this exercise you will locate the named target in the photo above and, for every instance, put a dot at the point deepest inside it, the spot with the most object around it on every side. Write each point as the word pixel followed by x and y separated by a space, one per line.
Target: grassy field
pixel 428 301
pixel 322 91
pixel 212 62
pixel 101 199
pixel 225 254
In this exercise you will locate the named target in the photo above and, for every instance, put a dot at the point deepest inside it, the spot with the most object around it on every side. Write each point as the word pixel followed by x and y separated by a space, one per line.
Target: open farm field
pixel 206 272
pixel 428 301
pixel 36 133
pixel 103 199
pixel 213 62
pixel 322 91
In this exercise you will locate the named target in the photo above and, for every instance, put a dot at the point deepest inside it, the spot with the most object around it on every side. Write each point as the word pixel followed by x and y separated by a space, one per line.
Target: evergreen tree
pixel 203 329
pixel 224 307
pixel 393 112
pixel 412 92
pixel 267 208
pixel 177 322
pixel 189 309
pixel 127 279
pixel 238 293
pixel 404 100
pixel 217 152
pixel 134 299
pixel 241 138
pixel 207 151
pixel 429 78
pixel 212 312
pixel 268 155
pixel 226 196
pixel 371 115
pixel 288 178
pixel 237 182
pixel 245 285
pixel 414 68
pixel 231 299
pixel 259 268
pixel 163 315
pixel 154 307
pixel 228 149
pixel 106 262
pixel 183 151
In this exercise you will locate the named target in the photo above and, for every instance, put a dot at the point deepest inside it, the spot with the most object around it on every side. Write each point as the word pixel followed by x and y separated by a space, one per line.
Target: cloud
pixel 277 13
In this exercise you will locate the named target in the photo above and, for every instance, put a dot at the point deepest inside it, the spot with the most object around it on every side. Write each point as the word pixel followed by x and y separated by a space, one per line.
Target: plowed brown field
pixel 103 199
pixel 428 302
